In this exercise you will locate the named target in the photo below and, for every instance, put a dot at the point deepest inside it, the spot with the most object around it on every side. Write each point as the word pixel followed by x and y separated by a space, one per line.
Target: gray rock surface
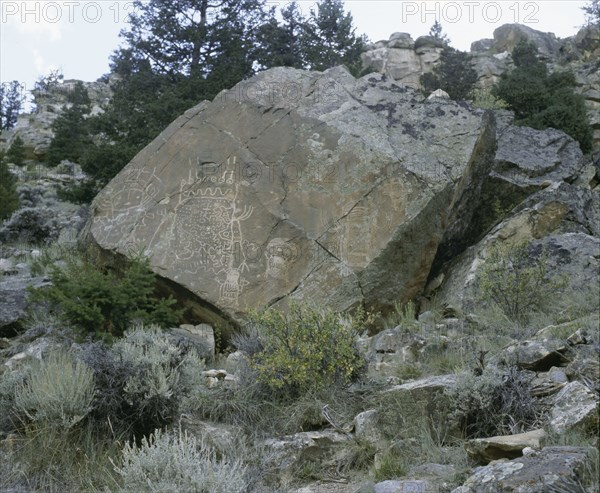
pixel 575 406
pixel 552 469
pixel 13 301
pixel 561 220
pixel 253 200
pixel 485 450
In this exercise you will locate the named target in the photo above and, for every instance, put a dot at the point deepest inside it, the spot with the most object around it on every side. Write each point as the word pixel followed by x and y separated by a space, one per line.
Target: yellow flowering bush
pixel 306 349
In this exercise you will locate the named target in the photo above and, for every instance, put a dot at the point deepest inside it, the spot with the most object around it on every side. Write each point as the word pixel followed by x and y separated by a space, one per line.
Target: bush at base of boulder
pixel 305 349
pixel 104 302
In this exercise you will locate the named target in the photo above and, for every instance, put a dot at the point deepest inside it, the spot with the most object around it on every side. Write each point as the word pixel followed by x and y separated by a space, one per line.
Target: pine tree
pixel 281 44
pixel 330 38
pixel 11 100
pixel 542 101
pixel 436 32
pixel 71 134
pixel 592 13
pixel 9 200
pixel 16 152
pixel 453 74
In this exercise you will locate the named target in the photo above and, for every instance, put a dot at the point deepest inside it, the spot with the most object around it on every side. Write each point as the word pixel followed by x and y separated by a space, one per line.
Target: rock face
pixel 552 469
pixel 405 61
pixel 575 406
pixel 294 184
pixel 561 220
pixel 36 128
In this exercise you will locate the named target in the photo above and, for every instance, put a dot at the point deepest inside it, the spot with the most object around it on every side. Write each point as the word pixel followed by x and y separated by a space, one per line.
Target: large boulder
pixel 507 36
pixel 551 469
pixel 295 184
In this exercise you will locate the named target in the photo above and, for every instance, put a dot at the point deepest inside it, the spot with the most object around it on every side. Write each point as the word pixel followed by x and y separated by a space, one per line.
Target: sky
pixel 78 36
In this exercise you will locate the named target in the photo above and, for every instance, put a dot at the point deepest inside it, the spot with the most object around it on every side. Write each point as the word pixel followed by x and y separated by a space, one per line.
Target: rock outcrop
pixel 402 58
pixel 35 128
pixel 405 61
pixel 297 185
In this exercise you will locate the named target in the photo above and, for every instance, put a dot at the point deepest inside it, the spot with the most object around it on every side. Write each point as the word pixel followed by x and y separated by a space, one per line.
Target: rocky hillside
pixel 431 271
pixel 35 128
pixel 405 60
pixel 354 191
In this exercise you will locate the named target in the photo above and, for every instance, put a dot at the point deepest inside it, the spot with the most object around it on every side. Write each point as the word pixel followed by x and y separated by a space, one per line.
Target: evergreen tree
pixel 542 101
pixel 16 152
pixel 177 53
pixel 436 32
pixel 9 200
pixel 453 74
pixel 11 101
pixel 71 134
pixel 282 44
pixel 592 13
pixel 330 38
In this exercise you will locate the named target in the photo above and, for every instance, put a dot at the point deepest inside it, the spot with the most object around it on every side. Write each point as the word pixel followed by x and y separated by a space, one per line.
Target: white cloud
pixel 41 66
pixel 36 19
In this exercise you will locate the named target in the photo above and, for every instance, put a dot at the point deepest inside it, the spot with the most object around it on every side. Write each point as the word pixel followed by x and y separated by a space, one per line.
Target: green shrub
pixel 453 74
pixel 483 98
pixel 516 282
pixel 496 402
pixel 16 152
pixel 142 379
pixel 58 391
pixel 36 225
pixel 103 301
pixel 9 200
pixel 305 349
pixel 544 101
pixel 167 462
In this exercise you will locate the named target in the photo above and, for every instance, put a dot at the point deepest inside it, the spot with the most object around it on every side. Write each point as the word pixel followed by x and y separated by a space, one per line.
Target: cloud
pixel 41 66
pixel 35 19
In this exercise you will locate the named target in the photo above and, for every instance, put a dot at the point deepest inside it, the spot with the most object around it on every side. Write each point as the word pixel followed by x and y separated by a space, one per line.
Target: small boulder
pixel 403 486
pixel 535 355
pixel 485 450
pixel 575 406
pixel 201 336
pixel 438 94
pixel 365 426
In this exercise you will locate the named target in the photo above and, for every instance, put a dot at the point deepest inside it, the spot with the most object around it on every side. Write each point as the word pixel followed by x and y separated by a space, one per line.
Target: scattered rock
pixel 224 438
pixel 365 426
pixel 484 450
pixel 535 355
pixel 438 94
pixel 403 486
pixel 13 301
pixel 293 451
pixel 201 336
pixel 575 406
pixel 420 398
